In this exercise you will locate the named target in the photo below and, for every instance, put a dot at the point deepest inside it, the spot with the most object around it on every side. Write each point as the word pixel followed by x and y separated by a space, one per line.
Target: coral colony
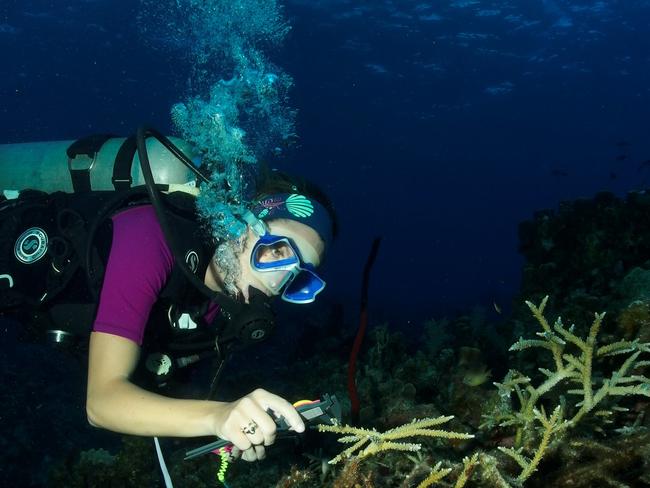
pixel 528 419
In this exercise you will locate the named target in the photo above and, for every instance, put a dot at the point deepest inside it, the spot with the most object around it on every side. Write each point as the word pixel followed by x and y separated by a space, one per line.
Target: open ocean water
pixel 437 126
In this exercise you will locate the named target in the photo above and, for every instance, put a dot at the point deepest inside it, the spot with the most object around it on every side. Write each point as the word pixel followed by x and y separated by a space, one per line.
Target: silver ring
pixel 250 428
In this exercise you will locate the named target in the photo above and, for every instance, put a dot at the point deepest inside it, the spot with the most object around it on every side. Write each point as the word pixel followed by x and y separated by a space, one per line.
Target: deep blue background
pixel 437 125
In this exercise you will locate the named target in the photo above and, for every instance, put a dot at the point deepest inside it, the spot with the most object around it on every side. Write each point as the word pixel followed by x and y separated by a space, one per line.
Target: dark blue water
pixel 438 126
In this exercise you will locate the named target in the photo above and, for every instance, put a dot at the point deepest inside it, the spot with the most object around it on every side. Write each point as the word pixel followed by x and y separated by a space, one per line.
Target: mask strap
pixel 256 224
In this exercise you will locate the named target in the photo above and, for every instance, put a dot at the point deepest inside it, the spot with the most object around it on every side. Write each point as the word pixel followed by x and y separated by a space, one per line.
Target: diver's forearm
pixel 126 408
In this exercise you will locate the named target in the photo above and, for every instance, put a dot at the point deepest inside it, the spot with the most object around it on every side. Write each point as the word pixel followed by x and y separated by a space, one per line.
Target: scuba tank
pixel 88 164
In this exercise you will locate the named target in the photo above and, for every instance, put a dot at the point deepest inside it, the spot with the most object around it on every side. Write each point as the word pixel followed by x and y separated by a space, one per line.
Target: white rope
pixel 163 466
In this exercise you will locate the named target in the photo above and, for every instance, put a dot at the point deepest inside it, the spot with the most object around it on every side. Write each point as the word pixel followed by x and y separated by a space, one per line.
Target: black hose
pixel 109 207
pixel 174 149
pixel 228 304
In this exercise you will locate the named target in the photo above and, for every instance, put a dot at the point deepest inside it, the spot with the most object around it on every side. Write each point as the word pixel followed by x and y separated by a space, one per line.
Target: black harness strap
pixel 80 167
pixel 122 179
pixel 68 259
pixel 74 318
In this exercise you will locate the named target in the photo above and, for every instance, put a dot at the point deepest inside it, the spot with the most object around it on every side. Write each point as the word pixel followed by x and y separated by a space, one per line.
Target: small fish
pixel 559 172
pixel 622 157
pixel 612 176
pixel 497 308
pixel 477 377
pixel 622 144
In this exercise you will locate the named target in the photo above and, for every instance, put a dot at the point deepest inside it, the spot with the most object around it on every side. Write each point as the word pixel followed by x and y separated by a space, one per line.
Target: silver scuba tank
pixel 46 166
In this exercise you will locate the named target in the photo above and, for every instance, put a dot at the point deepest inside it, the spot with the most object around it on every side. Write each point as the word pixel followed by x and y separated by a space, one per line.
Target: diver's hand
pixel 247 424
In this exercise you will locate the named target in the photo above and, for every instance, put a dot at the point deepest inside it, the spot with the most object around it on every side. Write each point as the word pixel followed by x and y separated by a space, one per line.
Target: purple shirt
pixel 139 264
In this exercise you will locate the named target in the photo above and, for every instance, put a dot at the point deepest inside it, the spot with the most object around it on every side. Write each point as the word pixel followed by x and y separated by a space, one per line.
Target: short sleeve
pixel 138 266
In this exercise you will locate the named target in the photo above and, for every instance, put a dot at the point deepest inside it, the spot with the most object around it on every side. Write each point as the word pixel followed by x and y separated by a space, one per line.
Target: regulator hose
pixel 248 323
pixel 229 305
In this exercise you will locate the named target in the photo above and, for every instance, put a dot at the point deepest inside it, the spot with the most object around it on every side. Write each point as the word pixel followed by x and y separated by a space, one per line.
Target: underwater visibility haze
pixel 499 149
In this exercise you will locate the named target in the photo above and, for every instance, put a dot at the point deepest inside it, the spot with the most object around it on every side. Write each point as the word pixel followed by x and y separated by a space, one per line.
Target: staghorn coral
pixel 469 465
pixel 585 463
pixel 551 426
pixel 437 473
pixel 574 367
pixel 385 441
pixel 537 435
pixel 490 474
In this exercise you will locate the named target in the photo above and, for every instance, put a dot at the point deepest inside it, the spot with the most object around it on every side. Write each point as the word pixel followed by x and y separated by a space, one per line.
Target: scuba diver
pixel 164 294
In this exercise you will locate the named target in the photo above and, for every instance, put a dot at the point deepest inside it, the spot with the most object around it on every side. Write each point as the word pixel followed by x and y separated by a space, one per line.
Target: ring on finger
pixel 251 428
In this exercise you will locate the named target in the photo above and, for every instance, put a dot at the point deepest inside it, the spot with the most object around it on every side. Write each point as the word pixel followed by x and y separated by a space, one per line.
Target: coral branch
pixel 575 367
pixel 437 473
pixel 378 441
pixel 529 466
pixel 469 464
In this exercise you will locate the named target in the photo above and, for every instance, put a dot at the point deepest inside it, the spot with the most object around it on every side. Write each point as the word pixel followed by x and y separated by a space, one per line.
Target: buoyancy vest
pixel 51 269
pixel 43 238
pixel 177 335
pixel 50 274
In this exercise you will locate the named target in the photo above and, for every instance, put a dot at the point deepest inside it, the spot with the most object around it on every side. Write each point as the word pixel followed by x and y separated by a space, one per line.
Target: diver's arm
pixel 116 404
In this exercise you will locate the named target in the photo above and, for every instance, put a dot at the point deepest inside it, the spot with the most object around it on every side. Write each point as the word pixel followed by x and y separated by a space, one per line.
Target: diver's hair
pixel 271 181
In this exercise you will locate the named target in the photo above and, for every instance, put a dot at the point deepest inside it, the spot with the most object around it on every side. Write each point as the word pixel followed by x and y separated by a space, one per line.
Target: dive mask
pixel 283 271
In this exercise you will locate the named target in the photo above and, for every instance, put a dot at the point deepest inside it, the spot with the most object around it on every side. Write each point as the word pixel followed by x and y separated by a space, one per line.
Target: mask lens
pixel 280 267
pixel 274 255
pixel 275 280
pixel 303 288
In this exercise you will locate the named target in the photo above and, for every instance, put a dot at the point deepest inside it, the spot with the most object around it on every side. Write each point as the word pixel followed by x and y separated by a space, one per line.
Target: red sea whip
pixel 363 323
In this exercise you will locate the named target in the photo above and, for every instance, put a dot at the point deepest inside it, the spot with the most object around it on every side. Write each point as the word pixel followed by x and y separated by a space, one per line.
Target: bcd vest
pixel 50 274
